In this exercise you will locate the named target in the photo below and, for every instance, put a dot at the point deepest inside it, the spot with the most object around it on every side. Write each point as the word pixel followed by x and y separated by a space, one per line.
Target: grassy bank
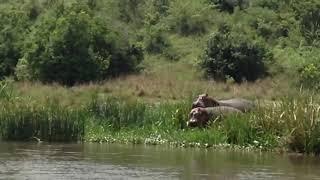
pixel 290 123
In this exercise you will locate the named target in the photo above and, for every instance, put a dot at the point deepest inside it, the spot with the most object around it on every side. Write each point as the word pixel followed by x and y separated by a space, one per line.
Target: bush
pixel 230 5
pixel 269 4
pixel 310 76
pixel 234 55
pixel 188 18
pixel 155 10
pixel 131 10
pixel 308 13
pixel 155 40
pixel 73 46
pixel 268 24
pixel 161 6
pixel 310 26
pixel 309 71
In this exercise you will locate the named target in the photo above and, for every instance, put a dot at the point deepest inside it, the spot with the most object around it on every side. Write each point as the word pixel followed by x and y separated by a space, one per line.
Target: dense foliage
pixel 75 47
pixel 230 5
pixel 232 55
pixel 90 40
pixel 14 25
pixel 310 72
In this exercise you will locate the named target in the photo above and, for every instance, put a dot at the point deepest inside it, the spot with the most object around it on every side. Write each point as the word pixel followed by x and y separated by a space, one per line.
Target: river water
pixel 111 161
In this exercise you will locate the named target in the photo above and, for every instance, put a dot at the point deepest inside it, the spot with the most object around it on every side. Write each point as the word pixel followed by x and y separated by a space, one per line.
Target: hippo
pixel 200 116
pixel 204 100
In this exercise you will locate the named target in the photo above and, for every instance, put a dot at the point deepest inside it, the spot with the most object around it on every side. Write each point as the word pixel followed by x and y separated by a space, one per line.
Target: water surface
pixel 111 161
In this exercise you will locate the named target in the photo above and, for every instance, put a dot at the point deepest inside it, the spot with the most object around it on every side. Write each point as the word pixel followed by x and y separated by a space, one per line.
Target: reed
pixel 23 120
pixel 289 124
pixel 292 123
pixel 119 113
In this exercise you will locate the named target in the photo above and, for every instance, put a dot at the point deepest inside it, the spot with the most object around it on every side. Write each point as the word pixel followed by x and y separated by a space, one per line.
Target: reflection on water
pixel 105 161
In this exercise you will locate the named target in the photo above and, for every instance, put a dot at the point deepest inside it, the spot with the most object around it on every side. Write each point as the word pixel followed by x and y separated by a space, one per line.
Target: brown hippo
pixel 204 100
pixel 201 116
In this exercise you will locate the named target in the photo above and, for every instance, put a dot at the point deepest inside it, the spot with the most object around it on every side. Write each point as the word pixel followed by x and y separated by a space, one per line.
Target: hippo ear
pixel 206 94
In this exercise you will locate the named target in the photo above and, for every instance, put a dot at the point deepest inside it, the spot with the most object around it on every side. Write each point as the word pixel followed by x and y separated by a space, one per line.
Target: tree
pixel 14 25
pixel 73 46
pixel 232 55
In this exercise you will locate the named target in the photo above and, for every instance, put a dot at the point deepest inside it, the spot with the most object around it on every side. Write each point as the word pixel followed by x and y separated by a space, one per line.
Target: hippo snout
pixel 192 123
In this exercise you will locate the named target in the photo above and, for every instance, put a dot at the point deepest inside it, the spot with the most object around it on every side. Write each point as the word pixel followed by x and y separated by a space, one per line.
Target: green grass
pixel 87 113
pixel 22 121
pixel 291 124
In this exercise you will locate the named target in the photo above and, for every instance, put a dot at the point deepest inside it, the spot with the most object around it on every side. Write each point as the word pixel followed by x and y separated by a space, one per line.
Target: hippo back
pixel 217 111
pixel 243 105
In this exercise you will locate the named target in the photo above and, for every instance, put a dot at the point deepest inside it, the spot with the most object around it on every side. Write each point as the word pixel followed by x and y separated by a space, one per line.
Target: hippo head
pixel 198 117
pixel 204 100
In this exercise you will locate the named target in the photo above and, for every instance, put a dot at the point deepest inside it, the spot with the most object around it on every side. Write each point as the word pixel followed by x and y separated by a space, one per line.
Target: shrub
pixel 155 40
pixel 155 10
pixel 310 26
pixel 269 24
pixel 234 55
pixel 188 18
pixel 73 46
pixel 131 10
pixel 308 13
pixel 229 5
pixel 310 76
pixel 161 6
pixel 302 7
pixel 270 4
pixel 309 68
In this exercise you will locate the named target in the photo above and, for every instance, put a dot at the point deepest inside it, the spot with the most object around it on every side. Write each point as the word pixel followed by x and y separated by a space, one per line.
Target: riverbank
pixel 290 123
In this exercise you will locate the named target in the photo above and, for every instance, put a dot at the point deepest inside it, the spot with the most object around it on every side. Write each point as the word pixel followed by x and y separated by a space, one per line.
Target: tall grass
pixel 23 118
pixel 295 121
pixel 22 121
pixel 292 123
pixel 118 113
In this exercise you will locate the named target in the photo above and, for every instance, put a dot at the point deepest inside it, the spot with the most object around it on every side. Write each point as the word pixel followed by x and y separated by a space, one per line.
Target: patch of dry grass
pixel 154 88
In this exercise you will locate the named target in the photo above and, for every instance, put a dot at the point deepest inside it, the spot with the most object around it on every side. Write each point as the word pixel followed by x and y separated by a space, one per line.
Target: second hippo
pixel 204 101
pixel 200 117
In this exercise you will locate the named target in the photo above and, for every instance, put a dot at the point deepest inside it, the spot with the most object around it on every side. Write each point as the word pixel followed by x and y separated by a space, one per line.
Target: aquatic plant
pixel 288 124
pixel 23 120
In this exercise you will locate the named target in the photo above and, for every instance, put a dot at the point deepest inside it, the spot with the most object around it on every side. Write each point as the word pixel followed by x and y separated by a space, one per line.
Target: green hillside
pixel 154 45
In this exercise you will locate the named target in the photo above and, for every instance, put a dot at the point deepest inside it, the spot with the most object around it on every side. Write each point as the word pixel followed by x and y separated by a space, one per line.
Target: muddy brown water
pixel 112 161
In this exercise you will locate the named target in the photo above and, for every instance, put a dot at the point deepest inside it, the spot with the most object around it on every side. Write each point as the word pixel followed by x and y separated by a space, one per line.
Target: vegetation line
pixel 290 124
